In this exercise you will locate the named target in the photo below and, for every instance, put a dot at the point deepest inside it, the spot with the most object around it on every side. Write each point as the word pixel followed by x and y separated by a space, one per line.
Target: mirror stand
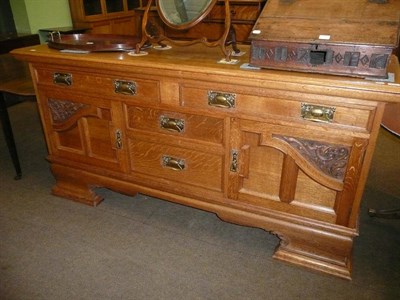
pixel 151 35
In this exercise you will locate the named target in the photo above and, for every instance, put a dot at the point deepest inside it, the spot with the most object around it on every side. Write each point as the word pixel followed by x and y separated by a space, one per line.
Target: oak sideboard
pixel 283 151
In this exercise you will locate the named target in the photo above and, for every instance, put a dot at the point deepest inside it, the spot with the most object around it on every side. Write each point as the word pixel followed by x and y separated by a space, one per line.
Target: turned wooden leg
pixel 72 186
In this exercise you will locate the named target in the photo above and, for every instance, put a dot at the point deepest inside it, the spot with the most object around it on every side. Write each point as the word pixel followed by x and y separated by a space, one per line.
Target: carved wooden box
pixel 354 38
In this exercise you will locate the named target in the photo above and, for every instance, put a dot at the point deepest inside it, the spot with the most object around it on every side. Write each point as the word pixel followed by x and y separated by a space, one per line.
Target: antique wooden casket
pixel 354 38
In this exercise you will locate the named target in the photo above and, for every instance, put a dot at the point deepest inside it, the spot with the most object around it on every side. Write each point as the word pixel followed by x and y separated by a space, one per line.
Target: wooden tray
pixel 92 42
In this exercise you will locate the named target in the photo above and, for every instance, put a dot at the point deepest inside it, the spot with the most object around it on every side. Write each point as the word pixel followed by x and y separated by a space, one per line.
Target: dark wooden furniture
pixel 244 14
pixel 105 16
pixel 181 16
pixel 325 36
pixel 248 145
pixel 12 41
pixel 15 79
pixel 391 118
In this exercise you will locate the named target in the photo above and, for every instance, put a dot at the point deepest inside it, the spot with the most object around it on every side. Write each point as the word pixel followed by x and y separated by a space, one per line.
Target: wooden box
pixel 354 38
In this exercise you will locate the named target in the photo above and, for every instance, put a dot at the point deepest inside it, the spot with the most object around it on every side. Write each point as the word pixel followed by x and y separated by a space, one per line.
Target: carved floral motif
pixel 330 159
pixel 62 110
pixel 334 56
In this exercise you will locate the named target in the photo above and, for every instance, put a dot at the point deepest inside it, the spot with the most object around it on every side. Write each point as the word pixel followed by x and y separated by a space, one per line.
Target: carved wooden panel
pixel 330 159
pixel 270 174
pixel 335 59
pixel 62 110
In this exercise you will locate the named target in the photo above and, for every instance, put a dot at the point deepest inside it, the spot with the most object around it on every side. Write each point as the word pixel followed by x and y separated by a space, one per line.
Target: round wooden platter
pixel 92 42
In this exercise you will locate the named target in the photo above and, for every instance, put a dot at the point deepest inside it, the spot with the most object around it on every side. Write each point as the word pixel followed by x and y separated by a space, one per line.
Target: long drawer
pixel 111 86
pixel 295 107
pixel 176 164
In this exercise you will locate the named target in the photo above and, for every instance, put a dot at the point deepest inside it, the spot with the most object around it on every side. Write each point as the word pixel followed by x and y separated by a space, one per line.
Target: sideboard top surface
pixel 201 62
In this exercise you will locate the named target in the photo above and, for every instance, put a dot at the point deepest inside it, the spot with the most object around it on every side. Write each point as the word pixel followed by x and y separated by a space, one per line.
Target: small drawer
pixel 126 88
pixel 176 164
pixel 190 126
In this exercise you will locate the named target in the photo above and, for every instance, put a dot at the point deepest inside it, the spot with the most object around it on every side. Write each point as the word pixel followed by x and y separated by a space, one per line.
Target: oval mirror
pixel 183 14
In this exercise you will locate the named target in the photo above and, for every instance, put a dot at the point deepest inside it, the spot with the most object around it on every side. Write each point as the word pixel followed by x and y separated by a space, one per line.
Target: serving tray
pixel 92 42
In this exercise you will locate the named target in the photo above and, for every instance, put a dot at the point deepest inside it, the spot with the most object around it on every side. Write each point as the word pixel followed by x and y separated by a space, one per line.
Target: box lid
pixel 359 22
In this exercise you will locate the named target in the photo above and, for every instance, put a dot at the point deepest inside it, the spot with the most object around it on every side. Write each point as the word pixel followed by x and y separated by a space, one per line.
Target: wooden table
pixel 14 79
pixel 12 41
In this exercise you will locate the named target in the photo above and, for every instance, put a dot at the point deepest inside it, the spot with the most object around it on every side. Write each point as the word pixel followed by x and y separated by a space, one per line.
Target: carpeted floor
pixel 145 248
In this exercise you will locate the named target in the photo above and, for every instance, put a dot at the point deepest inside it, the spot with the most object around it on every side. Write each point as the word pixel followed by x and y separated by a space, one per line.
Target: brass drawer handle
pixel 125 87
pixel 171 124
pixel 176 164
pixel 317 113
pixel 223 100
pixel 62 79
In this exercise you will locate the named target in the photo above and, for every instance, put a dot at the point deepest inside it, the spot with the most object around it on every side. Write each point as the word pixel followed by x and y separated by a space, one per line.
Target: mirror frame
pixel 149 38
pixel 188 24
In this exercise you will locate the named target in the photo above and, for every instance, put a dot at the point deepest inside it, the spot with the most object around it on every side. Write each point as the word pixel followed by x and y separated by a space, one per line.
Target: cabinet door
pixel 303 172
pixel 83 129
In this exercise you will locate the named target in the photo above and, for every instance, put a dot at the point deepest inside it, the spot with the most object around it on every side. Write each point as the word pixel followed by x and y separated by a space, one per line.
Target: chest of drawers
pixel 286 152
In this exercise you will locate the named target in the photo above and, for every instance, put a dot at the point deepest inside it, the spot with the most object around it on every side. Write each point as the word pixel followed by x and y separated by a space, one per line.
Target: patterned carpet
pixel 145 248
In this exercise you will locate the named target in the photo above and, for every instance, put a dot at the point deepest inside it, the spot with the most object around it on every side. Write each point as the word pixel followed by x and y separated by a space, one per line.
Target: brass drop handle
pixel 176 164
pixel 62 79
pixel 125 87
pixel 317 113
pixel 222 100
pixel 171 124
